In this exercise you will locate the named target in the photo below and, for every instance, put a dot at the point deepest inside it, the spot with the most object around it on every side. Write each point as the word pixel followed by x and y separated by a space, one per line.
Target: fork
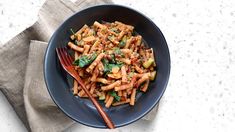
pixel 66 62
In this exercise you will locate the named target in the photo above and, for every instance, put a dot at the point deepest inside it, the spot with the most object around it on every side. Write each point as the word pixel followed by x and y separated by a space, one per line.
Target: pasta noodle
pixel 132 100
pixel 111 86
pixel 113 61
pixel 75 87
pixel 109 102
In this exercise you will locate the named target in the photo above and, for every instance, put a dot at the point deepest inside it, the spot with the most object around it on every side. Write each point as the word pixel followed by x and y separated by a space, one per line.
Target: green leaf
pixel 117 51
pixel 85 60
pixel 105 61
pixel 122 44
pixel 108 67
pixel 114 94
pixel 113 60
pixel 76 62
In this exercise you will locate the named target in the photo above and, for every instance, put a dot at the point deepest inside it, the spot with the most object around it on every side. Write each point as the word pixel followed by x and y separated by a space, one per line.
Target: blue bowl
pixel 59 83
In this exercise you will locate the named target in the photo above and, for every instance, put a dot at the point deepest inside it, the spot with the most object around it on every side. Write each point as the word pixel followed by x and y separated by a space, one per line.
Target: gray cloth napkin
pixel 21 68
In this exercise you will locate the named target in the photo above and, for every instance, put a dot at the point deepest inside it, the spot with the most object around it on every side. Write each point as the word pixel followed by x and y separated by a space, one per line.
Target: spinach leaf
pixel 122 44
pixel 113 59
pixel 114 94
pixel 85 60
pixel 105 61
pixel 109 66
pixel 117 51
pixel 76 62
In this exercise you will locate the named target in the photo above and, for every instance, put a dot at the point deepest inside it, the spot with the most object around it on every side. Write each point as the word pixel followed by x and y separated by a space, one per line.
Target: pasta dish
pixel 113 61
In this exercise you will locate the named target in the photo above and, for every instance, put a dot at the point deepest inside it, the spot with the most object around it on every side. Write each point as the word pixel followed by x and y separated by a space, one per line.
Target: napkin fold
pixel 21 68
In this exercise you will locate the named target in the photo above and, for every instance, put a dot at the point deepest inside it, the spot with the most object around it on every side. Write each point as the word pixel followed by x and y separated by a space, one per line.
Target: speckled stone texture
pixel 201 39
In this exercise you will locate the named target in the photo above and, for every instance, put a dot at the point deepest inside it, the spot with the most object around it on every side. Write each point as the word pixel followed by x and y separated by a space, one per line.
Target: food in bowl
pixel 113 61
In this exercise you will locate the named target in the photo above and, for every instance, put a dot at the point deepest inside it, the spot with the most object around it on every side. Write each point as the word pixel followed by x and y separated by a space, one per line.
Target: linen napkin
pixel 21 68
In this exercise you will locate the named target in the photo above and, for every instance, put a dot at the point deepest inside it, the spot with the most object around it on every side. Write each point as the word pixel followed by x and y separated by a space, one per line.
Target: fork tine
pixel 60 56
pixel 64 55
pixel 68 57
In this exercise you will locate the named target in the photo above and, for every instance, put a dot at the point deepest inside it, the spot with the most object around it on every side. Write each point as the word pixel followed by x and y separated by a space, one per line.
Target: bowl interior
pixel 59 82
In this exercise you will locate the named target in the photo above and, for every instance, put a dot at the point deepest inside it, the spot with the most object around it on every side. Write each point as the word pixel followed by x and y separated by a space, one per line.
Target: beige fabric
pixel 41 111
pixel 21 68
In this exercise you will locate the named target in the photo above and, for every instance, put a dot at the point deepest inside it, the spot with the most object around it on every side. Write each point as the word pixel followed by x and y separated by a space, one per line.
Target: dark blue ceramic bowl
pixel 59 82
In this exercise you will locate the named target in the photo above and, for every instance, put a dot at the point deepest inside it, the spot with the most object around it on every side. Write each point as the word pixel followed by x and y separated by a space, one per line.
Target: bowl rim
pixel 137 117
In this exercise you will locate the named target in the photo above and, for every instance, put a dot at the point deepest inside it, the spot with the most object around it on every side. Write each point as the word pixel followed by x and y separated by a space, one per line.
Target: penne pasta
pixel 75 47
pixel 102 80
pixel 100 68
pixel 76 55
pixel 92 89
pixel 109 102
pixel 120 93
pixel 128 43
pixel 124 76
pixel 95 74
pixel 127 61
pixel 123 87
pixel 121 102
pixel 86 49
pixel 89 39
pixel 111 86
pixel 75 87
pixel 132 100
pixel 106 98
pixel 121 35
pixel 124 94
pixel 145 87
pixel 97 24
pixel 138 40
pixel 138 69
pixel 82 30
pixel 127 51
pixel 97 42
pixel 144 78
pixel 95 62
pixel 115 76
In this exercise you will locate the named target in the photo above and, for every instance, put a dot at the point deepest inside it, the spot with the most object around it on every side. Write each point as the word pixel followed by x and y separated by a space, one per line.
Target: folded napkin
pixel 21 68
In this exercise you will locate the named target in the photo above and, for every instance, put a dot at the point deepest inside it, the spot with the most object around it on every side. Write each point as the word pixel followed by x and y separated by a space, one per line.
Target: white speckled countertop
pixel 201 37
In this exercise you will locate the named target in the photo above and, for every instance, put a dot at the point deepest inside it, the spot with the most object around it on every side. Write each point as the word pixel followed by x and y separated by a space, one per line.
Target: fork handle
pixel 106 118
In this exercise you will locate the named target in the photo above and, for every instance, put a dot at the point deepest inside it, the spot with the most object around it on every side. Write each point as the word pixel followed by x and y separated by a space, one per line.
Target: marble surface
pixel 201 37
